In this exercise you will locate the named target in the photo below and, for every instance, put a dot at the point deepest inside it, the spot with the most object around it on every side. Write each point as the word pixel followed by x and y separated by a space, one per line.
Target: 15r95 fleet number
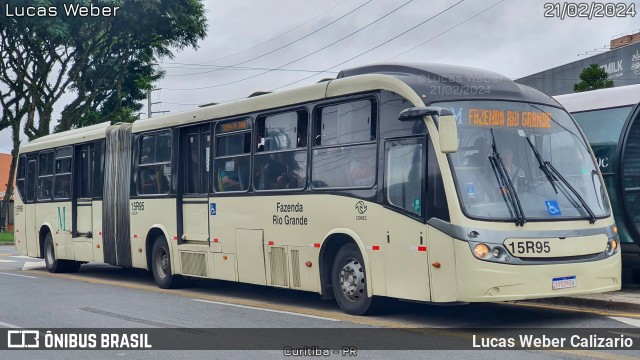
pixel 529 247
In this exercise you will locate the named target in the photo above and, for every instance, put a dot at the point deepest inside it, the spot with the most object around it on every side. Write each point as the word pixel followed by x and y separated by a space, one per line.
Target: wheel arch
pixel 332 242
pixel 45 229
pixel 155 231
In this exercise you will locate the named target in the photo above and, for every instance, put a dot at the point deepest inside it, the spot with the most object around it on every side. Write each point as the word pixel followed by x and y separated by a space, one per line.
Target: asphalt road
pixel 109 297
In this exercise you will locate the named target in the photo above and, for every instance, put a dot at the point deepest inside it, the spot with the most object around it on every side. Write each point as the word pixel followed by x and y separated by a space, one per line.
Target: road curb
pixel 600 304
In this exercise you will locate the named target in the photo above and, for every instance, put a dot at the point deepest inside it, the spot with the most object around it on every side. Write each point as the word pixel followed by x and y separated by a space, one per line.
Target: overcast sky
pixel 513 38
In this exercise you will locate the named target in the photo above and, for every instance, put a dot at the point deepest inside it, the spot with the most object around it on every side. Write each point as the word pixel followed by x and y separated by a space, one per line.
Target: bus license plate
pixel 564 282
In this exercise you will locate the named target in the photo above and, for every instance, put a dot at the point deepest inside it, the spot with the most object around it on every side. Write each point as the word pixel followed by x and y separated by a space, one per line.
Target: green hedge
pixel 6 237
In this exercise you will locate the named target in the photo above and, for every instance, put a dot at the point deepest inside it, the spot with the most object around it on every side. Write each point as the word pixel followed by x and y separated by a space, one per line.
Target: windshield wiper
pixel 554 175
pixel 503 177
pixel 543 166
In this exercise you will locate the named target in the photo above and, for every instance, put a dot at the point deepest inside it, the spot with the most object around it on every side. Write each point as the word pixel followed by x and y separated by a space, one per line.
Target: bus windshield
pixel 499 176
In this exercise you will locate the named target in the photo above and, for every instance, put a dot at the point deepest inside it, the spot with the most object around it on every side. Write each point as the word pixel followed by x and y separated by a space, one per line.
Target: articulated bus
pixel 610 118
pixel 423 182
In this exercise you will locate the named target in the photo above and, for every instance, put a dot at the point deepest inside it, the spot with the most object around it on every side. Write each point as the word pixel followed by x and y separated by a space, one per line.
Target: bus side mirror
pixel 448 129
pixel 447 126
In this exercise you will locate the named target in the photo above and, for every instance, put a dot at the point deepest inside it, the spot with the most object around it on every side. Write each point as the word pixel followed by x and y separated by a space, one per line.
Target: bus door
pixel 82 226
pixel 31 233
pixel 195 175
pixel 406 259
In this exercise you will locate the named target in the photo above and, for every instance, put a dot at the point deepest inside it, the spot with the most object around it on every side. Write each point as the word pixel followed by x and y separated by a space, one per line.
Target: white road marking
pixel 628 321
pixel 4 324
pixel 270 310
pixel 24 276
pixel 7 261
pixel 28 265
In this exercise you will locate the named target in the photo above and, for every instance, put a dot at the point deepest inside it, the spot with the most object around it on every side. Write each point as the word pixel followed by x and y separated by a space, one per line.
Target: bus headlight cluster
pixel 484 251
pixel 612 247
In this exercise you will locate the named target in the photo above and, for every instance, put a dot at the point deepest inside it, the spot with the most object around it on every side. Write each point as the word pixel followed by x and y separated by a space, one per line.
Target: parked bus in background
pixel 424 182
pixel 610 119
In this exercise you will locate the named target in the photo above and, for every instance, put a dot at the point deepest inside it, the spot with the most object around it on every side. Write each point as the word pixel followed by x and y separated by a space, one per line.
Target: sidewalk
pixel 627 299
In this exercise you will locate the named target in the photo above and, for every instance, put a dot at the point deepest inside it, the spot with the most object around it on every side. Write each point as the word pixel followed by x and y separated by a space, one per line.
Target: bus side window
pixel 31 180
pixel 21 177
pixel 284 136
pixel 62 179
pixel 344 154
pixel 154 167
pixel 45 176
pixel 84 170
pixel 231 167
pixel 404 173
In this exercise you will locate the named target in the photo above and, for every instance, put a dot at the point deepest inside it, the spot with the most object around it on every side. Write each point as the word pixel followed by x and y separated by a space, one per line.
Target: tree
pixel 593 77
pixel 106 61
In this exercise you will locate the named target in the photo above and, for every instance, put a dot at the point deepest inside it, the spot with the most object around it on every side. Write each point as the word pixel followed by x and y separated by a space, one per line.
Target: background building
pixel 5 165
pixel 622 63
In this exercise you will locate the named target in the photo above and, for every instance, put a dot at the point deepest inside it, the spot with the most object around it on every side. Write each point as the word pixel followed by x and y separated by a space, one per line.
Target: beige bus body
pixel 404 258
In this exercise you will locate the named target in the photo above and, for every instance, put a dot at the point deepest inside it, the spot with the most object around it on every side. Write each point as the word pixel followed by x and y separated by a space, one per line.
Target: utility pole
pixel 150 104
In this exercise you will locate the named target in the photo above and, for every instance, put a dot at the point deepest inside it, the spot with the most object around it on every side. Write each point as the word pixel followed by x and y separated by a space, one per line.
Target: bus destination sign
pixel 235 126
pixel 509 118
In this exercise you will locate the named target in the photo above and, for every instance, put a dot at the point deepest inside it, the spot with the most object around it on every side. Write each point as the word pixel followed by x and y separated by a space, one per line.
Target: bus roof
pixel 414 81
pixel 443 82
pixel 314 92
pixel 70 137
pixel 601 99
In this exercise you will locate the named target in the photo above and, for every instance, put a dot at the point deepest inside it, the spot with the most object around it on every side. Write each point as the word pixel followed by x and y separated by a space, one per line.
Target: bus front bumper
pixel 483 281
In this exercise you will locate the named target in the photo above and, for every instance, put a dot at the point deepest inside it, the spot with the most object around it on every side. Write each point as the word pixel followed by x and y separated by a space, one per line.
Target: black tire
pixel 161 265
pixel 348 278
pixel 53 264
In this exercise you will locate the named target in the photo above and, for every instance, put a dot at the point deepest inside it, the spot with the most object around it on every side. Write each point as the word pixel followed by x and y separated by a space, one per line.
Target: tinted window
pixel 281 170
pixel 404 174
pixel 335 165
pixel 45 176
pixel 232 165
pixel 197 156
pixel 20 182
pixel 62 180
pixel 232 174
pixel 345 123
pixel 353 166
pixel 83 178
pixel 154 170
pixel 285 137
pixel 147 149
pixel 98 166
pixel 31 180
pixel 234 144
pixel 286 131
pixel 602 126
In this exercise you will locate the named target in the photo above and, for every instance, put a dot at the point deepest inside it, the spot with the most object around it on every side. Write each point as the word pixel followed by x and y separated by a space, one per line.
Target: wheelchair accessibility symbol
pixel 553 208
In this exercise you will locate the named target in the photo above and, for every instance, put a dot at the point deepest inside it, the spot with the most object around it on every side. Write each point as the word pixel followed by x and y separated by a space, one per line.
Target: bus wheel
pixel 55 265
pixel 161 264
pixel 349 283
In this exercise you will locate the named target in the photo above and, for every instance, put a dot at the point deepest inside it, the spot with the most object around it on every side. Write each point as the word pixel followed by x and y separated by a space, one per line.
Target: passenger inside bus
pixel 229 178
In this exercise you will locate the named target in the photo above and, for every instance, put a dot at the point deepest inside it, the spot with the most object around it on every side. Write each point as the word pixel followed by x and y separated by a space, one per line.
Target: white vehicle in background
pixel 610 119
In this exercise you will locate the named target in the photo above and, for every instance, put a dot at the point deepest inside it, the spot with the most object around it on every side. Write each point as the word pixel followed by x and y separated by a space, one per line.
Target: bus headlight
pixel 481 251
pixel 612 247
pixel 496 252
